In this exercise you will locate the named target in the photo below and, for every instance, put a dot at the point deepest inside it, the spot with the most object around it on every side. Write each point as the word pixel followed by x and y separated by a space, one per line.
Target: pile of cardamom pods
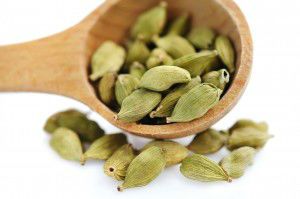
pixel 168 73
pixel 71 130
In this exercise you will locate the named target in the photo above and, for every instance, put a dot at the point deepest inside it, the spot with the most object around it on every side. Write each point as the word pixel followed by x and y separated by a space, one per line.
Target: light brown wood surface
pixel 59 64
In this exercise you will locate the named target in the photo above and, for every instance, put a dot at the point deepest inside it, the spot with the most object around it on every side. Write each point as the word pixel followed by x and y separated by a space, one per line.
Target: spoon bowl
pixel 59 64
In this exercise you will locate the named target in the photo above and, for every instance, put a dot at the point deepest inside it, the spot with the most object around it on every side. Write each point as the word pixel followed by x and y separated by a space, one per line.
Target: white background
pixel 30 169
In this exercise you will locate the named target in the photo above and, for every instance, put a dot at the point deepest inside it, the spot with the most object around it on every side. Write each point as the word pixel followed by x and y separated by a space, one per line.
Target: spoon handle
pixel 54 65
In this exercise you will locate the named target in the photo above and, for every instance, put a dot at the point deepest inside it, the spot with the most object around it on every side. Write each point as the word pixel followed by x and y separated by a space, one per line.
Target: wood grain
pixel 59 64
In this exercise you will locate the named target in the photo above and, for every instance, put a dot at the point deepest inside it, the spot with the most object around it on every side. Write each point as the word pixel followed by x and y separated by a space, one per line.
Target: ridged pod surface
pixel 237 161
pixel 137 105
pixel 196 63
pixel 202 37
pixel 174 45
pixel 247 136
pixel 137 70
pixel 106 88
pixel 137 52
pixel 159 57
pixel 199 167
pixel 207 142
pixel 116 166
pixel 180 25
pixel 67 144
pixel 161 78
pixel 263 126
pixel 218 78
pixel 144 168
pixel 174 152
pixel 168 103
pixel 150 23
pixel 88 130
pixel 125 85
pixel 109 57
pixel 195 103
pixel 226 52
pixel 104 147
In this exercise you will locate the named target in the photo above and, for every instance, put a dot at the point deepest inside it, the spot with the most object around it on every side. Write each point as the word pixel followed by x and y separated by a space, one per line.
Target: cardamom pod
pixel 161 78
pixel 226 52
pixel 174 152
pixel 199 167
pixel 104 147
pixel 202 37
pixel 109 57
pixel 158 57
pixel 67 144
pixel 52 124
pixel 174 45
pixel 195 103
pixel 214 65
pixel 137 105
pixel 237 161
pixel 137 51
pixel 196 63
pixel 218 78
pixel 180 25
pixel 137 70
pixel 207 142
pixel 125 85
pixel 263 126
pixel 88 130
pixel 167 105
pixel 106 88
pixel 116 166
pixel 247 136
pixel 144 168
pixel 150 23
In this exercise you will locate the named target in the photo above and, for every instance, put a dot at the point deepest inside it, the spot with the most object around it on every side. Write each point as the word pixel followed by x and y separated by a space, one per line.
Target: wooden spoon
pixel 59 64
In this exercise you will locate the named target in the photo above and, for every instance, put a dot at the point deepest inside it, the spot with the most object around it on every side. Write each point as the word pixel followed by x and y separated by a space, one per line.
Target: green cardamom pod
pixel 106 88
pixel 144 168
pixel 116 166
pixel 150 23
pixel 137 70
pixel 52 123
pixel 109 57
pixel 207 142
pixel 174 45
pixel 218 78
pixel 202 37
pixel 153 62
pixel 104 147
pixel 180 25
pixel 88 130
pixel 247 136
pixel 215 64
pixel 167 105
pixel 174 152
pixel 161 78
pixel 263 126
pixel 196 63
pixel 67 144
pixel 195 103
pixel 137 105
pixel 226 52
pixel 125 85
pixel 159 57
pixel 199 167
pixel 137 51
pixel 237 161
